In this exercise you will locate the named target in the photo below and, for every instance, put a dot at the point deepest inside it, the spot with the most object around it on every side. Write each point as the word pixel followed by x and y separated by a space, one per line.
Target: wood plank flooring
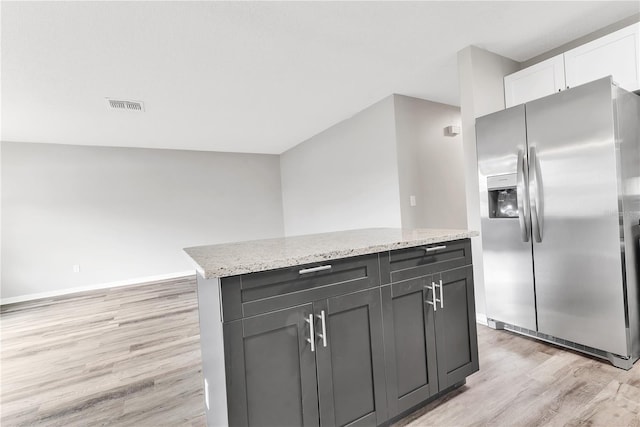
pixel 123 356
pixel 523 382
pixel 130 356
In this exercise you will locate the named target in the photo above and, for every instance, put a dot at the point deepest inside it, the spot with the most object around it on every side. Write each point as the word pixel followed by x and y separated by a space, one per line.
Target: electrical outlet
pixel 412 200
pixel 76 268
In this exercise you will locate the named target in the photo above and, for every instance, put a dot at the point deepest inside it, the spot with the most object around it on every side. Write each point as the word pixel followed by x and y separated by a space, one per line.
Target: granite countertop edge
pixel 214 265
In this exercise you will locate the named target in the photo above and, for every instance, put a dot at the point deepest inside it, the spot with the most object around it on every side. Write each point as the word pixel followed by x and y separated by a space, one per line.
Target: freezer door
pixel 575 221
pixel 506 243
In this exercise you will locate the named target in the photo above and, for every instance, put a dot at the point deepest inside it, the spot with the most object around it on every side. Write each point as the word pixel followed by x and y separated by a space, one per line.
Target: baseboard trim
pixel 126 282
pixel 481 318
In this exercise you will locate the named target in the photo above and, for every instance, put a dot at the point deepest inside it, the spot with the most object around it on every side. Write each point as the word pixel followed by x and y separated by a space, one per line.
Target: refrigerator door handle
pixel 536 196
pixel 523 197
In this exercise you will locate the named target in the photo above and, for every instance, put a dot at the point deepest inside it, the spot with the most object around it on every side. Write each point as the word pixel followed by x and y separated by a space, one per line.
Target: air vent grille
pixel 125 105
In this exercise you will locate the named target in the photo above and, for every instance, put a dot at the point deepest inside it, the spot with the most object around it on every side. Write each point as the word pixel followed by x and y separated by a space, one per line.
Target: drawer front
pixel 261 292
pixel 403 264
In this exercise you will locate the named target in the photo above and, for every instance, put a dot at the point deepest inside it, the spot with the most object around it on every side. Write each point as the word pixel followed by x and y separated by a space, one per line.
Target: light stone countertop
pixel 230 259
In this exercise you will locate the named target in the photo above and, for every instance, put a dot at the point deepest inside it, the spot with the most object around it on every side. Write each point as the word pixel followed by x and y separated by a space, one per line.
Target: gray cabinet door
pixel 410 344
pixel 271 371
pixel 351 377
pixel 455 320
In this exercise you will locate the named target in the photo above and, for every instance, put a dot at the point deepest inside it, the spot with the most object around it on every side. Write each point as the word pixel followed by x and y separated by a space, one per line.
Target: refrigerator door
pixel 575 217
pixel 505 221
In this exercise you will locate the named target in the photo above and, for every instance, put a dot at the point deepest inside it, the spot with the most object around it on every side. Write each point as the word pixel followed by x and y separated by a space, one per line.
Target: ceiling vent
pixel 124 105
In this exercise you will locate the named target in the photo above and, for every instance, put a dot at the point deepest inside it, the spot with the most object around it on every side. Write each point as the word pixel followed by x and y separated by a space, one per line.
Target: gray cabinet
pixel 351 375
pixel 276 378
pixel 270 370
pixel 429 323
pixel 326 344
pixel 410 343
pixel 403 264
pixel 265 291
pixel 455 324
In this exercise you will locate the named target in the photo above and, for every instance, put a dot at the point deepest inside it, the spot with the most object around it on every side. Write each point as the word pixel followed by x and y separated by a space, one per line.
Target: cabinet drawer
pixel 261 292
pixel 403 264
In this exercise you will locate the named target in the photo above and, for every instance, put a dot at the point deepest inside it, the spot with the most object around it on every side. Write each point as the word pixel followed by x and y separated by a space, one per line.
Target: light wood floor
pixel 130 356
pixel 123 356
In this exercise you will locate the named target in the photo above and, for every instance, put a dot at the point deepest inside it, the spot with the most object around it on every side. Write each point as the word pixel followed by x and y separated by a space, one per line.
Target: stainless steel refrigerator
pixel 560 206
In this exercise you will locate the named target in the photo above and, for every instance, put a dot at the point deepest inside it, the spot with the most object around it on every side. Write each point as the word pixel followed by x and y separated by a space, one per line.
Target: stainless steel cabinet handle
pixel 323 322
pixel 435 301
pixel 523 197
pixel 435 248
pixel 314 269
pixel 441 300
pixel 536 196
pixel 312 335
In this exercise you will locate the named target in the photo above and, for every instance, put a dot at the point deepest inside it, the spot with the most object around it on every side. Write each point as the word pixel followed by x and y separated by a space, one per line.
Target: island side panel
pixel 212 347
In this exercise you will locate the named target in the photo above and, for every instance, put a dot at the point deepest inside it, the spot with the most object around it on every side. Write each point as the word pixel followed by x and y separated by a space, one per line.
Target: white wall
pixel 124 213
pixel 481 76
pixel 430 164
pixel 361 172
pixel 345 177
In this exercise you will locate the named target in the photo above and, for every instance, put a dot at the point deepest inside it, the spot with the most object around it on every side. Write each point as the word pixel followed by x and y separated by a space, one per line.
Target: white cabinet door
pixel 616 54
pixel 541 79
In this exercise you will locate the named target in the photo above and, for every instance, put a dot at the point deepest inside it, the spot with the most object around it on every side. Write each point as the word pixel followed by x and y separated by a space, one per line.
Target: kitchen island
pixel 346 328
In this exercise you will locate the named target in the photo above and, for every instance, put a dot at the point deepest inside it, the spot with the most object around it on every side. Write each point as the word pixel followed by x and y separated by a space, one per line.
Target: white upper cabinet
pixel 541 79
pixel 616 54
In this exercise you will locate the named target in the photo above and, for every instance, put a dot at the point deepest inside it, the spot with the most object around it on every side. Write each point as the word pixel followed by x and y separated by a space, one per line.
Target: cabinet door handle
pixel 312 335
pixel 435 301
pixel 323 322
pixel 435 248
pixel 314 269
pixel 441 294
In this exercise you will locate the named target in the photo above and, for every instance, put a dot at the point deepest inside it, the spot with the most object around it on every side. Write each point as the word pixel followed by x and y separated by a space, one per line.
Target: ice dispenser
pixel 503 199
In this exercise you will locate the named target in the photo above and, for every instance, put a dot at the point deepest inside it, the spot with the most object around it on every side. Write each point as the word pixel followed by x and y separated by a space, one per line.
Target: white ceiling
pixel 250 76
